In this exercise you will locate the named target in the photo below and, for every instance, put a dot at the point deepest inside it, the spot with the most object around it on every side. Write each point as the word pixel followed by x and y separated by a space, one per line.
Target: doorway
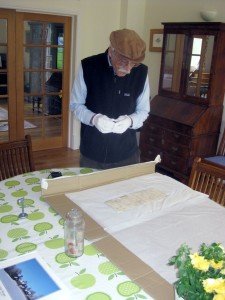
pixel 34 77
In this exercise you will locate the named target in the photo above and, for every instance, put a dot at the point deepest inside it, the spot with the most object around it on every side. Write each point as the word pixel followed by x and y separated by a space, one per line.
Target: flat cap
pixel 129 44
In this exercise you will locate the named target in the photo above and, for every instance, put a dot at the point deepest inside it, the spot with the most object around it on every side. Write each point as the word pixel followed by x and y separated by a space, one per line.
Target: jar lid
pixel 74 214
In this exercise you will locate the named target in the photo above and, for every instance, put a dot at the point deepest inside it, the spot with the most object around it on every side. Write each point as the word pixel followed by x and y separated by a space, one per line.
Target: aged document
pixel 135 199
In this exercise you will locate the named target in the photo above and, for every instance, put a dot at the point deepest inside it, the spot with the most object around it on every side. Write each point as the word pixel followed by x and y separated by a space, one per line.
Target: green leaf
pixel 64 266
pixel 140 296
pixel 172 260
pixel 82 271
pixel 120 273
pixel 111 277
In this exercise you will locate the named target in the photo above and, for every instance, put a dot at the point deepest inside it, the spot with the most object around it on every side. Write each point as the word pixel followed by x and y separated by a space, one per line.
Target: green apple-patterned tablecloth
pixel 89 277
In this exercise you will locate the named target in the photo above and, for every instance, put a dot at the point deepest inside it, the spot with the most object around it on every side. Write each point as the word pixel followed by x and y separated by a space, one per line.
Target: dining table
pixel 31 225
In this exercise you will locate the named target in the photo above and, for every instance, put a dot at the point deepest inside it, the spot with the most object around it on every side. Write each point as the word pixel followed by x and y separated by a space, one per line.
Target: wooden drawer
pixel 175 137
pixel 153 140
pixel 151 129
pixel 175 149
pixel 170 125
pixel 175 163
pixel 155 129
pixel 150 153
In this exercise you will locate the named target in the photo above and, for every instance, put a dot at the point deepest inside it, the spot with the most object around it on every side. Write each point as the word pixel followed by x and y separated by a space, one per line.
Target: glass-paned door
pixel 43 55
pixel 7 83
pixel 34 78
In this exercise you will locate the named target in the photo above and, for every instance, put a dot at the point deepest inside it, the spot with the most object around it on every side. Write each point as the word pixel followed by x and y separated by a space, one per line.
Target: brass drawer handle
pixel 174 148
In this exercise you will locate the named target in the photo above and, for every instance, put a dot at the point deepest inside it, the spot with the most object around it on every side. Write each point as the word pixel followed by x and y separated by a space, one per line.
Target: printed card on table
pixel 29 277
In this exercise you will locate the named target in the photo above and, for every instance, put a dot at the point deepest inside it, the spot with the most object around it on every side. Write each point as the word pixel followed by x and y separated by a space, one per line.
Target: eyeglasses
pixel 123 61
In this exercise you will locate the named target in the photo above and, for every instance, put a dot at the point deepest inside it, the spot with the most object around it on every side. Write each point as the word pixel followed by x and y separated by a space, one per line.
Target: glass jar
pixel 74 233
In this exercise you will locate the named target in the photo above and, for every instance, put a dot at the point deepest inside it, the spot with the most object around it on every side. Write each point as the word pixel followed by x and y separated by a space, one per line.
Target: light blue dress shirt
pixel 82 113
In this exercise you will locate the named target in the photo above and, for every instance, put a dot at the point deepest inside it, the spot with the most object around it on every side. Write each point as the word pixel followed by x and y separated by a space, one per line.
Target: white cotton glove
pixel 122 124
pixel 103 123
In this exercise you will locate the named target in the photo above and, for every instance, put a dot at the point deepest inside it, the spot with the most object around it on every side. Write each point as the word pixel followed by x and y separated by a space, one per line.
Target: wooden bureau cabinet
pixel 186 114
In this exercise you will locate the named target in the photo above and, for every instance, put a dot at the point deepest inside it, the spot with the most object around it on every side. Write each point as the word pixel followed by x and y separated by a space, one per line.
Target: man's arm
pixel 78 99
pixel 142 108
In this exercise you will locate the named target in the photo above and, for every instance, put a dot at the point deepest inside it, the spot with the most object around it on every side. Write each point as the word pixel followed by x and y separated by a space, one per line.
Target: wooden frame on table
pixel 156 40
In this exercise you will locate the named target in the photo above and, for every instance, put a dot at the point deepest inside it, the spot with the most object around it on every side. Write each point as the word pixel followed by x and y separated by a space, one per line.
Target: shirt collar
pixel 109 60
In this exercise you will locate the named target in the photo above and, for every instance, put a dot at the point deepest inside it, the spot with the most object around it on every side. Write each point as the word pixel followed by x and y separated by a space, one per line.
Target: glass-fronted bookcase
pixel 186 114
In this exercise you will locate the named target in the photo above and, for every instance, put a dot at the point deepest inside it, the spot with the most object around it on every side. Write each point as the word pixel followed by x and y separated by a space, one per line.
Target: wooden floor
pixel 56 158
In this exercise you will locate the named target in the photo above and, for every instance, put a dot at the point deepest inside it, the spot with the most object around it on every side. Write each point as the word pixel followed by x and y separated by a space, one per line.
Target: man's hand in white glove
pixel 122 124
pixel 103 123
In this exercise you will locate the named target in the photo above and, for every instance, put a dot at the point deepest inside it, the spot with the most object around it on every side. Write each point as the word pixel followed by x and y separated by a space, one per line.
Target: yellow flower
pixel 219 297
pixel 214 285
pixel 215 265
pixel 199 262
pixel 208 285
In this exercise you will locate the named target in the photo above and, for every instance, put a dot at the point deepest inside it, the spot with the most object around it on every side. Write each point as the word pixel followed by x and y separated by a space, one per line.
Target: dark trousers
pixel 89 163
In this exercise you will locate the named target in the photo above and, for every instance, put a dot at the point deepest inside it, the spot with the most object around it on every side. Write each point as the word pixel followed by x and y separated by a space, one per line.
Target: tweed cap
pixel 129 44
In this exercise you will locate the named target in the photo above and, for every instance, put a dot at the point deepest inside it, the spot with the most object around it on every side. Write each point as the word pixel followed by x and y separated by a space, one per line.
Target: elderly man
pixel 110 97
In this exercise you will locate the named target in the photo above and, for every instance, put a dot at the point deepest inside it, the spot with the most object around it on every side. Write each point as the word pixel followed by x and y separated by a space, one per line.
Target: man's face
pixel 121 65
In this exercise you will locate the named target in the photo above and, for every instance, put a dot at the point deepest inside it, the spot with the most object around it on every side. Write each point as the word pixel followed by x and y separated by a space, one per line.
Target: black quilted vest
pixel 112 96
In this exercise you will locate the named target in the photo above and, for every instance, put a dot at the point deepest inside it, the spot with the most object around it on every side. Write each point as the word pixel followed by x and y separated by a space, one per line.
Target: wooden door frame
pixel 9 15
pixel 20 18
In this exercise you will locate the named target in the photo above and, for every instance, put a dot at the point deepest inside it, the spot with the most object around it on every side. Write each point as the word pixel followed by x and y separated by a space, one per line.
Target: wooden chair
pixel 208 178
pixel 16 158
pixel 221 149
pixel 219 158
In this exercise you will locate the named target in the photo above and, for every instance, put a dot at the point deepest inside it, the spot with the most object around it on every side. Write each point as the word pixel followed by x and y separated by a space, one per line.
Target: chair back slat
pixel 221 149
pixel 219 192
pixel 208 178
pixel 16 158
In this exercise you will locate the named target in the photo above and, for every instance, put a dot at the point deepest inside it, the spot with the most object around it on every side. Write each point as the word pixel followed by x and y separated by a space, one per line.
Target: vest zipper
pixel 106 152
pixel 106 148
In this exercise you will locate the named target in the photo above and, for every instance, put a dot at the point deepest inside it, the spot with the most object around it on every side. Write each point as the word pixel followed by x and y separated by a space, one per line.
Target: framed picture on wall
pixel 156 40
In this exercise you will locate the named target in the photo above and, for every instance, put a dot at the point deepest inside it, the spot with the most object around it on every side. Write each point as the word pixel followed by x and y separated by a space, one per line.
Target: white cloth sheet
pixel 157 240
pixel 155 230
pixel 93 201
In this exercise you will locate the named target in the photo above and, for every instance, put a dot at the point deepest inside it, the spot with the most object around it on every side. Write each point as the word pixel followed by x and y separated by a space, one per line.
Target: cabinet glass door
pixel 189 75
pixel 200 66
pixel 173 59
